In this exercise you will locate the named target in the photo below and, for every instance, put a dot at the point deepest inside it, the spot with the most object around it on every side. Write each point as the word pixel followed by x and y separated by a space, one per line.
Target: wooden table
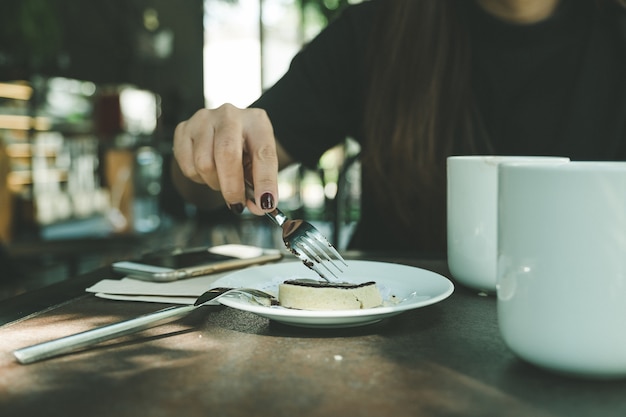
pixel 446 359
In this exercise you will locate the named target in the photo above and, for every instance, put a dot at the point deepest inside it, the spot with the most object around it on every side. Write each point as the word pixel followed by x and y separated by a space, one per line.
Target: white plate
pixel 412 288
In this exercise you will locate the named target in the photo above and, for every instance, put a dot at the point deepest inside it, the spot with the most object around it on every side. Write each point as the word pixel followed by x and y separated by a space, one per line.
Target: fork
pixel 91 337
pixel 306 242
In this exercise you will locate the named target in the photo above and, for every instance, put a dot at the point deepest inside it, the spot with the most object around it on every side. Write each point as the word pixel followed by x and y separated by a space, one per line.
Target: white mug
pixel 561 283
pixel 472 189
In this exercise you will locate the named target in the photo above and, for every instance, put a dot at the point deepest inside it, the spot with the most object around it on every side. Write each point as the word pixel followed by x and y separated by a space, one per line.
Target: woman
pixel 415 81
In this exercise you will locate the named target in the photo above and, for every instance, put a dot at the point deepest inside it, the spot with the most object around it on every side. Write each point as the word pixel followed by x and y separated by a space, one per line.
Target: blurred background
pixel 90 93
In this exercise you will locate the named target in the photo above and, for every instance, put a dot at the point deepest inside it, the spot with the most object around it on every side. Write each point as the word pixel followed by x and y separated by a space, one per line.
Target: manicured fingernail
pixel 267 201
pixel 236 208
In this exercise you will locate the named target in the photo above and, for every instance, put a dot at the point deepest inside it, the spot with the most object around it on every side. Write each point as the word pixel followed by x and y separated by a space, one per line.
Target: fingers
pixel 228 148
pixel 193 149
pixel 213 145
pixel 260 151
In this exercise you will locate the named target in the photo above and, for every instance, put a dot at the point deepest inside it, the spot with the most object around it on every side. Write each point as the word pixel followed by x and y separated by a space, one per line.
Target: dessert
pixel 308 294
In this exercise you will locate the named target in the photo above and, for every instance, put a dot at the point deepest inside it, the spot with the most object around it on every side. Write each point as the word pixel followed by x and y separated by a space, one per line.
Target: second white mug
pixel 562 266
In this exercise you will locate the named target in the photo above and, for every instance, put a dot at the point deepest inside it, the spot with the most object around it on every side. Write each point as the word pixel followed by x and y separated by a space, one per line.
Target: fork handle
pixel 275 215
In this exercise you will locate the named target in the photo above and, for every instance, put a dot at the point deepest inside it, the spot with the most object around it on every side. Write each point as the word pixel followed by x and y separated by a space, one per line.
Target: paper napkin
pixel 176 292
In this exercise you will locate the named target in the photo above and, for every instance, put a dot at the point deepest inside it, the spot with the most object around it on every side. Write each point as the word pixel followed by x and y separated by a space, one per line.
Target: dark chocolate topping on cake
pixel 323 284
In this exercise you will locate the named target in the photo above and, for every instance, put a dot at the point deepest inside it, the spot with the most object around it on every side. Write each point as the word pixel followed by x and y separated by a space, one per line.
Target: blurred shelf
pixel 19 122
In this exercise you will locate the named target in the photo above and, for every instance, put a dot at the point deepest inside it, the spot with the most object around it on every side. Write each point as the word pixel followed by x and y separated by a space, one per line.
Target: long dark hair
pixel 419 99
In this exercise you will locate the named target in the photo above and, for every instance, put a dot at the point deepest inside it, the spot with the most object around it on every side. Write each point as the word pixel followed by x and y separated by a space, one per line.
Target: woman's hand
pixel 219 147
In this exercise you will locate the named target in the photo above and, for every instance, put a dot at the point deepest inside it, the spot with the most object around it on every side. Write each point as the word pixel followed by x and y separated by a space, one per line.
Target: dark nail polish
pixel 236 208
pixel 267 201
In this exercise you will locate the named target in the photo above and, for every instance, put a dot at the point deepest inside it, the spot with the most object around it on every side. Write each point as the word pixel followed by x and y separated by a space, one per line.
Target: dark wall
pixel 105 41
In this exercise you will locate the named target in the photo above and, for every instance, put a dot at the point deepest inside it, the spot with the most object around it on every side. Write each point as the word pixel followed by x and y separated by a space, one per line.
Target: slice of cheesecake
pixel 308 294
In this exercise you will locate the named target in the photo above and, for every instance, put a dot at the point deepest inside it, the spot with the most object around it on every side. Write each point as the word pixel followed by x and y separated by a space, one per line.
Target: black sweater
pixel 553 88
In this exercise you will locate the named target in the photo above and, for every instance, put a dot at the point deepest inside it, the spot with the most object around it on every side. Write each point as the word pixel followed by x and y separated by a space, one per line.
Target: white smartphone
pixel 186 263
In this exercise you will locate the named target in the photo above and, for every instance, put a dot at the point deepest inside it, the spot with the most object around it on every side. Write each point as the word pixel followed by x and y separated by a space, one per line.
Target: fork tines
pixel 315 247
